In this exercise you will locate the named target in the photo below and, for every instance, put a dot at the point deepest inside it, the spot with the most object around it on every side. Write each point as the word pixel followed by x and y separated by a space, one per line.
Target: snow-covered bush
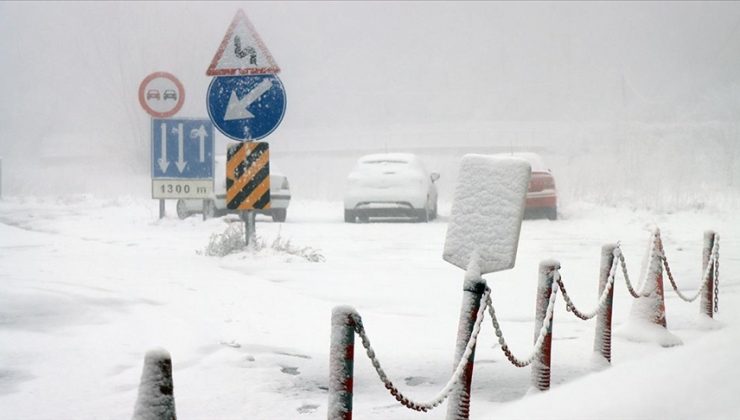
pixel 232 240
pixel 229 242
pixel 310 254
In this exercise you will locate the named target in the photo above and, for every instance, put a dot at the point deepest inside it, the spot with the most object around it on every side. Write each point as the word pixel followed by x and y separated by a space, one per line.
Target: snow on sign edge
pixel 228 64
pixel 487 213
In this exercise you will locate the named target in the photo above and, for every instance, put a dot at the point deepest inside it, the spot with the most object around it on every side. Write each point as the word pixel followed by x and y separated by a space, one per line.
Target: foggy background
pixel 629 103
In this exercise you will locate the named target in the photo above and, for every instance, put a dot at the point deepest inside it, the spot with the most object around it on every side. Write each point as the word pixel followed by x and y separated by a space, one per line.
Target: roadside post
pixel 246 102
pixel 482 237
pixel 707 302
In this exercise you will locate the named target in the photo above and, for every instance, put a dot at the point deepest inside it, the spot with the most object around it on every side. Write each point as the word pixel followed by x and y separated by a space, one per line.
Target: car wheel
pixel 552 213
pixel 209 209
pixel 424 215
pixel 363 219
pixel 182 211
pixel 279 215
pixel 349 216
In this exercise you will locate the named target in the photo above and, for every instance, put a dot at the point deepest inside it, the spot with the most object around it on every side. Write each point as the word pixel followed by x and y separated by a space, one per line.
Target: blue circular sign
pixel 246 108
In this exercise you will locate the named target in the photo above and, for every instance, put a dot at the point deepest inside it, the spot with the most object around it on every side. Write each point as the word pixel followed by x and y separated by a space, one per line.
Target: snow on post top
pixel 487 213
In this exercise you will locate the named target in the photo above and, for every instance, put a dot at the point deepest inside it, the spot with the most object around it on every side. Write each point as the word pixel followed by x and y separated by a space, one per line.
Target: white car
pixel 390 185
pixel 216 206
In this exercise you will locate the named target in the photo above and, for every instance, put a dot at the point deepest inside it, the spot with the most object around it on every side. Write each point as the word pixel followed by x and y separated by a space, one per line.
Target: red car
pixel 542 197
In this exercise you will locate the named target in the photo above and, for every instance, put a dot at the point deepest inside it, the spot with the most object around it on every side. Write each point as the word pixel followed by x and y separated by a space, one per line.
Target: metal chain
pixel 651 269
pixel 543 331
pixel 716 274
pixel 713 257
pixel 454 379
pixel 602 299
pixel 627 279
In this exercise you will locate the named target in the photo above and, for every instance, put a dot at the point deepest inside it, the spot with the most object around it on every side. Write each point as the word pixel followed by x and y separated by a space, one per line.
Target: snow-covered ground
pixel 89 284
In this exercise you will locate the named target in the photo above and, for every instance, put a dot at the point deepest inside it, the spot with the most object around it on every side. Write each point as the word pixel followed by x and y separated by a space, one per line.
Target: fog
pixel 629 103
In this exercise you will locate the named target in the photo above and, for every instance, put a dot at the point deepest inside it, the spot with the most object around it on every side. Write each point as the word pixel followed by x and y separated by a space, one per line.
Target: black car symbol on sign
pixel 170 94
pixel 154 94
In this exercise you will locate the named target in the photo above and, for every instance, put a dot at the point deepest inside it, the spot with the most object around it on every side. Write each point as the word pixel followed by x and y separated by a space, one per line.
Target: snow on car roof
pixel 388 157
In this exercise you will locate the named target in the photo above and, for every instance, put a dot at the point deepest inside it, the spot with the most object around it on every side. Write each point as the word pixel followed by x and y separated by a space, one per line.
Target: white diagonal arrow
pixel 180 144
pixel 163 163
pixel 200 133
pixel 237 108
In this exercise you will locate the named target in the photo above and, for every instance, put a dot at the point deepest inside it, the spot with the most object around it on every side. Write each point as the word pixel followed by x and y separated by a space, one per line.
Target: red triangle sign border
pixel 271 69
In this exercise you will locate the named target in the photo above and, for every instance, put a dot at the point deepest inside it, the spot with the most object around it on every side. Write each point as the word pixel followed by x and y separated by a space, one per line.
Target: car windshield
pixel 385 161
pixel 383 165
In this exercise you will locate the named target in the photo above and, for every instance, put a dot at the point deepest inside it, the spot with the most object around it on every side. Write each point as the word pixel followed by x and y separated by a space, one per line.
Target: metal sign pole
pixel 239 82
pixel 250 227
pixel 161 209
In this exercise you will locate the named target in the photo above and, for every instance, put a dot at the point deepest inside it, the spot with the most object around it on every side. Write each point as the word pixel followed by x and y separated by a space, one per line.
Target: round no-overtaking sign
pixel 161 94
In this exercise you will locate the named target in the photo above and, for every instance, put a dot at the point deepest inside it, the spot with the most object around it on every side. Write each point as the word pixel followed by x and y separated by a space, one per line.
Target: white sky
pixel 71 70
pixel 364 62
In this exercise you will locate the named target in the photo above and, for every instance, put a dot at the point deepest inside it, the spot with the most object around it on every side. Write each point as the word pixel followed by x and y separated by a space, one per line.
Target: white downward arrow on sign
pixel 163 162
pixel 180 143
pixel 237 108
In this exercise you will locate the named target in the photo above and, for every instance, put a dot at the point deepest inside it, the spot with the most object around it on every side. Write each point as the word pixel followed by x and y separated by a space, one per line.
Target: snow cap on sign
pixel 242 51
pixel 487 212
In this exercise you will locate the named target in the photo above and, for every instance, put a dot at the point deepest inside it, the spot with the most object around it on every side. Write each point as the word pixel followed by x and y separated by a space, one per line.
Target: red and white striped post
pixel 458 407
pixel 603 336
pixel 650 307
pixel 707 298
pixel 156 399
pixel 341 363
pixel 541 362
pixel 658 293
pixel 648 310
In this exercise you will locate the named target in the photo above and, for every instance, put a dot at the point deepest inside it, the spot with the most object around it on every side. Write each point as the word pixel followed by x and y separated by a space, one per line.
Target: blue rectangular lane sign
pixel 182 148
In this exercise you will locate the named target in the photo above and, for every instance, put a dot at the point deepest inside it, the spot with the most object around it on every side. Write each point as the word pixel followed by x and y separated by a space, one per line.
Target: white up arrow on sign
pixel 201 134
pixel 237 108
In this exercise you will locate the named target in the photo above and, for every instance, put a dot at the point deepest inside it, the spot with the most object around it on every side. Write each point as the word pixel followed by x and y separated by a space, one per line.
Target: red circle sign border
pixel 180 99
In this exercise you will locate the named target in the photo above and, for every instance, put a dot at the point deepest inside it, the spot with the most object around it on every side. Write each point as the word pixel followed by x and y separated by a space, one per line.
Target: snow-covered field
pixel 88 285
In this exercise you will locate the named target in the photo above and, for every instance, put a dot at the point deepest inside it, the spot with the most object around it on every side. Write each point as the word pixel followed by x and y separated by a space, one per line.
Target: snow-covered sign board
pixel 487 213
pixel 242 52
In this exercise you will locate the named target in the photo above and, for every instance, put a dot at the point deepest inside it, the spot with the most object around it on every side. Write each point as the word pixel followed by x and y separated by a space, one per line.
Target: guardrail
pixel 649 303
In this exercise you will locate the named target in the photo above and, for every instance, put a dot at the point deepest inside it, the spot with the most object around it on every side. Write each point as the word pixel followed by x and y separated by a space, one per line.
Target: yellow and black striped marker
pixel 248 176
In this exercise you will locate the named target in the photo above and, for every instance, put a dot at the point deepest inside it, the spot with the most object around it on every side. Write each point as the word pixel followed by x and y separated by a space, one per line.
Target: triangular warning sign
pixel 242 51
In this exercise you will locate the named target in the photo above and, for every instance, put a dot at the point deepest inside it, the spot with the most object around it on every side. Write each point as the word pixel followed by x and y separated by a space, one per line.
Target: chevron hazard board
pixel 248 176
